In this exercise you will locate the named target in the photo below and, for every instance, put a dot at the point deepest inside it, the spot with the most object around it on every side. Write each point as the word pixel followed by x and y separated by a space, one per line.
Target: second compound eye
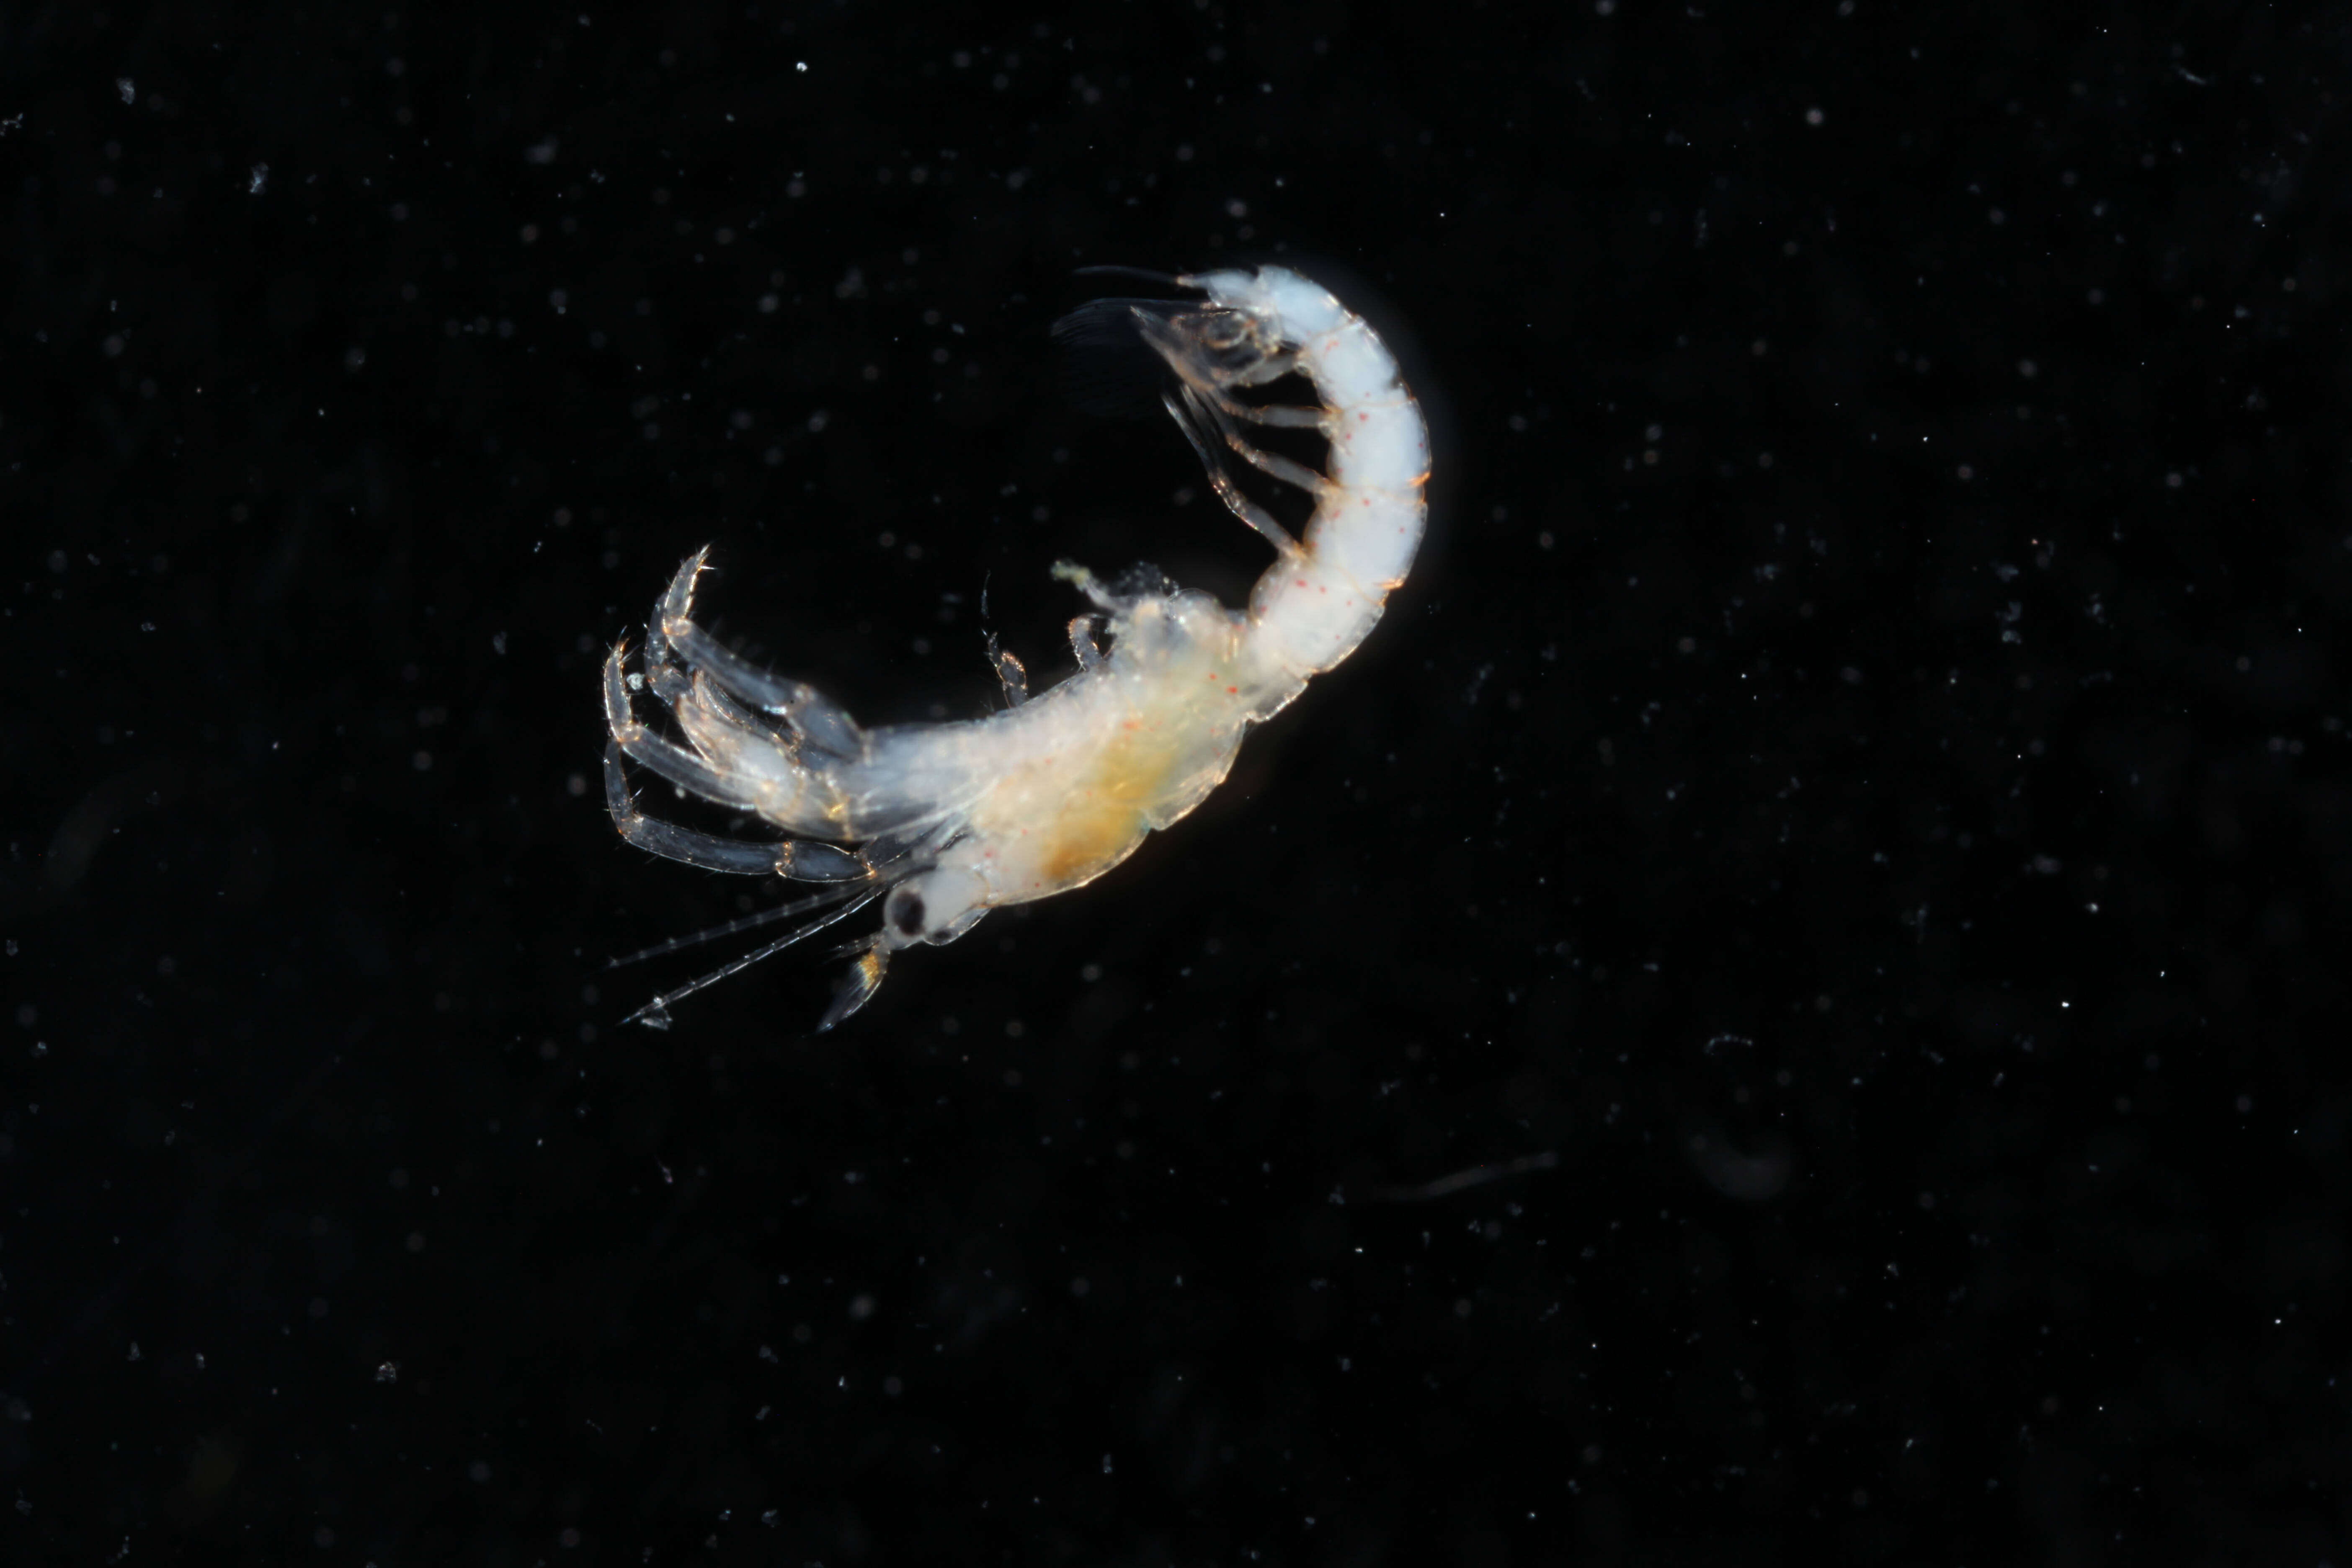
pixel 906 914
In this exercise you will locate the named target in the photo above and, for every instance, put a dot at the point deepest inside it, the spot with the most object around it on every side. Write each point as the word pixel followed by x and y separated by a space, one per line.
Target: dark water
pixel 1843 836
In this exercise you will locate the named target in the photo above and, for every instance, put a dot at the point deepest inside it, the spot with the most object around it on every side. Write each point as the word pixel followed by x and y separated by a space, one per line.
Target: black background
pixel 1856 777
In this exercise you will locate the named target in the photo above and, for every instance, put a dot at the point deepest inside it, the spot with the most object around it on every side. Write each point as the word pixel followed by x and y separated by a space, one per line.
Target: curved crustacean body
pixel 945 822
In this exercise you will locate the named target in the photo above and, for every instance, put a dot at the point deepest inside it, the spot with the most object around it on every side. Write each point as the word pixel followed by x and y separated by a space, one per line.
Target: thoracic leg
pixel 666 757
pixel 1281 467
pixel 703 691
pixel 1194 417
pixel 817 719
pixel 1011 673
pixel 796 860
pixel 1082 642
pixel 703 849
pixel 1282 416
pixel 675 604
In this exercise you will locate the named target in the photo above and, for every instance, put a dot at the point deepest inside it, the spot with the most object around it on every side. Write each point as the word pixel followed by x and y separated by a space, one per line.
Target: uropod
pixel 942 823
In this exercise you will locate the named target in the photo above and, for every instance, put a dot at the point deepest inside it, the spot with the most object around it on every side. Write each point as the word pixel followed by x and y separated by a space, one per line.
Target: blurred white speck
pixel 257 180
pixel 129 89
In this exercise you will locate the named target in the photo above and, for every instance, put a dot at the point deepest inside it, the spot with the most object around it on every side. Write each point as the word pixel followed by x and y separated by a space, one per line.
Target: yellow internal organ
pixel 1064 830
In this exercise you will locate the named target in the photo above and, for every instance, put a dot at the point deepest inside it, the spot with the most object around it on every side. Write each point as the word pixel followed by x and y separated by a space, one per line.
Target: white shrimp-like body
pixel 952 820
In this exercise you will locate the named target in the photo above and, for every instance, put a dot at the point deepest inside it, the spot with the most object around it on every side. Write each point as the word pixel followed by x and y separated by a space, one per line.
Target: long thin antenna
pixel 1462 1181
pixel 749 923
pixel 655 1014
pixel 1166 279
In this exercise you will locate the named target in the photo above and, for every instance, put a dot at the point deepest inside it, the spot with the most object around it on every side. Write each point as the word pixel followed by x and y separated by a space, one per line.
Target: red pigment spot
pixel 1232 690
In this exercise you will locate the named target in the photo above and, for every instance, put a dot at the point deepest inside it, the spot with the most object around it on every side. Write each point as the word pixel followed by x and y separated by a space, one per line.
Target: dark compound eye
pixel 909 916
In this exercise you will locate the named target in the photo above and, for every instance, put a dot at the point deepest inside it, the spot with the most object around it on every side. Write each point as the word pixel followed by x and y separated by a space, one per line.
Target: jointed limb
pixel 1011 673
pixel 1192 417
pixel 706 851
pixel 664 756
pixel 1283 468
pixel 1082 642
pixel 816 718
pixel 796 860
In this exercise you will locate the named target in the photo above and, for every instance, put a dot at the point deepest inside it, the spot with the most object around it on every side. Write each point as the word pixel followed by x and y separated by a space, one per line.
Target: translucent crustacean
pixel 946 822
